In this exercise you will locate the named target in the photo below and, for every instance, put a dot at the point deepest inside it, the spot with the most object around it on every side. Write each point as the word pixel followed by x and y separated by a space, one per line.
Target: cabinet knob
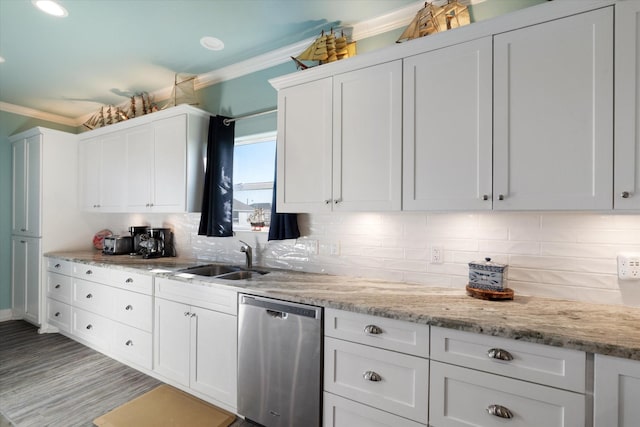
pixel 23 241
pixel 328 201
pixel 88 272
pixel 485 197
pixel 89 296
pixel 372 376
pixel 336 201
pixel 23 229
pixel 129 307
pixel 89 326
pixel 193 315
pixel 186 313
pixel 57 266
pixel 500 354
pixel 129 343
pixel 499 411
pixel 57 314
pixel 372 330
pixel 500 196
pixel 625 194
pixel 57 286
pixel 129 280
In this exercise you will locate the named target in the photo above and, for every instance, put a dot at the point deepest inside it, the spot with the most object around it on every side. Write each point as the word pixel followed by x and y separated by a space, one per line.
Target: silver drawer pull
pixel 89 326
pixel 500 354
pixel 57 314
pixel 89 272
pixel 57 286
pixel 499 411
pixel 625 195
pixel 57 266
pixel 129 280
pixel 129 307
pixel 372 376
pixel 89 296
pixel 129 343
pixel 372 329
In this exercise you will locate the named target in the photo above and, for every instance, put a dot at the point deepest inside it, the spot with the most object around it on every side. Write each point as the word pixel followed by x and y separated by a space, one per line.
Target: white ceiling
pixel 104 51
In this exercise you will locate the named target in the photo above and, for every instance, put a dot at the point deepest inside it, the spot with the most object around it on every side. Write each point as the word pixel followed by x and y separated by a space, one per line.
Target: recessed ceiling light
pixel 1 59
pixel 211 43
pixel 50 7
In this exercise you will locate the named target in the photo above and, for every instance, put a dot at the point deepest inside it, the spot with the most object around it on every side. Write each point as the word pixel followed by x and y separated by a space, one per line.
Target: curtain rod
pixel 248 116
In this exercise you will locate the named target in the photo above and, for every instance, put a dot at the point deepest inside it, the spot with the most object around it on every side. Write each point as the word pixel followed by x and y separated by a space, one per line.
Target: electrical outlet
pixel 437 255
pixel 629 266
pixel 334 249
pixel 312 247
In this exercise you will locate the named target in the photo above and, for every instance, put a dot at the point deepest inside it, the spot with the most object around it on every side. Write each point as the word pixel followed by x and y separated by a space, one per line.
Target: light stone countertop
pixel 597 328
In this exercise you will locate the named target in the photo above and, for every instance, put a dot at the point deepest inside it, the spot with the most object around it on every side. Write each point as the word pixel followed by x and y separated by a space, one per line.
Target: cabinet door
pixel 113 182
pixel 367 139
pixel 214 355
pixel 553 124
pixel 171 340
pixel 170 165
pixel 304 147
pixel 447 128
pixel 139 158
pixel 26 187
pixel 627 106
pixel 90 173
pixel 25 278
pixel 616 391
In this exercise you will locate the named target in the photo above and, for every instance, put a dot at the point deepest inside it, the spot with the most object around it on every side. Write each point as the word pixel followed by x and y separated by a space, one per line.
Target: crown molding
pixel 37 114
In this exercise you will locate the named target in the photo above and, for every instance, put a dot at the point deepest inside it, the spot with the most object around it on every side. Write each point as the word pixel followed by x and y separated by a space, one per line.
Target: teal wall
pixel 243 95
pixel 11 124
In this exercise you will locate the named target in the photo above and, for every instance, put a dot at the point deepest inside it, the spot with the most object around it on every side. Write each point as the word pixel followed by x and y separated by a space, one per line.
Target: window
pixel 253 172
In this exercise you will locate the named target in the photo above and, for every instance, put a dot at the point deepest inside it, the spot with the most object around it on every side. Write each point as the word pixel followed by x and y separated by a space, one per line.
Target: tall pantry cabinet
pixel 44 213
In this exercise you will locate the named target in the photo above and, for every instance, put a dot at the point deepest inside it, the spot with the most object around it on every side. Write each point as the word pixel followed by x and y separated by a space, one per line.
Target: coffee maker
pixel 136 237
pixel 157 242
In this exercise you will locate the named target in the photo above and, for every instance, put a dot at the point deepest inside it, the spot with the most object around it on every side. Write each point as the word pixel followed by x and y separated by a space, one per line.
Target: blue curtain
pixel 283 225
pixel 217 201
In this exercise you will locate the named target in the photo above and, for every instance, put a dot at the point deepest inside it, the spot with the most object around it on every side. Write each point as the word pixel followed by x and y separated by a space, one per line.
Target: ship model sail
pixel 432 19
pixel 326 48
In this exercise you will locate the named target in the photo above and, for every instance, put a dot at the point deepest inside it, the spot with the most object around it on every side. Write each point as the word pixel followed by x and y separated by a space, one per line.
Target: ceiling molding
pixel 37 114
pixel 359 31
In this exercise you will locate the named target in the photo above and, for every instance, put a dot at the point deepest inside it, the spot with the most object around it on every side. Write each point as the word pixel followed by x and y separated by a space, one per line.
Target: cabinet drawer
pixel 59 315
pixel 133 309
pixel 543 364
pixel 92 328
pixel 132 344
pixel 341 412
pixel 93 297
pixel 60 266
pixel 396 335
pixel 137 282
pixel 464 397
pixel 223 300
pixel 59 287
pixel 91 272
pixel 401 386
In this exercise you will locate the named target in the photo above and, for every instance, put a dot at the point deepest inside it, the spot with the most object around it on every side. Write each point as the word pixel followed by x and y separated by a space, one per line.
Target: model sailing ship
pixel 432 19
pixel 326 48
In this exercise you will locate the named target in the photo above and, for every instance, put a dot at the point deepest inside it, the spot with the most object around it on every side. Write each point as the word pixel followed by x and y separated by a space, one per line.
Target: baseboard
pixel 6 314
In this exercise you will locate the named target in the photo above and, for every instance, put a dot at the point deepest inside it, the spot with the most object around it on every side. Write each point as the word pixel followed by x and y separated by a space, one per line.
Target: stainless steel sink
pixel 210 270
pixel 242 274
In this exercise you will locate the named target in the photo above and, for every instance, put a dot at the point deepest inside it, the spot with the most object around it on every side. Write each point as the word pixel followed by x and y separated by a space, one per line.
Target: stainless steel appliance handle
pixel 283 308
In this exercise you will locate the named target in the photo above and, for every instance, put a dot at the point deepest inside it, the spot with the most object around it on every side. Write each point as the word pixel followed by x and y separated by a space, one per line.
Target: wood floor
pixel 49 380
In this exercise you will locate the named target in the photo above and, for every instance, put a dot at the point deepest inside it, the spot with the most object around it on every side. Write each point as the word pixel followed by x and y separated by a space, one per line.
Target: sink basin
pixel 242 274
pixel 209 270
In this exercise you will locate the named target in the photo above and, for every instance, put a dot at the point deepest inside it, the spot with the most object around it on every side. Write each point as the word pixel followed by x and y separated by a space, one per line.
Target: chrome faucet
pixel 248 252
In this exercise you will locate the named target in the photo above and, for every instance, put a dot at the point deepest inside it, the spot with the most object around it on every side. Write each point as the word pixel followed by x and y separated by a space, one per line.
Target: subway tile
pixel 584 265
pixel 563 278
pixel 491 248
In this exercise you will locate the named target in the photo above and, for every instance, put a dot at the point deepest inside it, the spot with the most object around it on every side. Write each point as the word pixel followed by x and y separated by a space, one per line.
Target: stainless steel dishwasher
pixel 279 362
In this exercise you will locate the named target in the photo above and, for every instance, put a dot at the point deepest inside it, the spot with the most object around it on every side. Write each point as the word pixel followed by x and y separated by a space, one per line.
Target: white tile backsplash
pixel 561 255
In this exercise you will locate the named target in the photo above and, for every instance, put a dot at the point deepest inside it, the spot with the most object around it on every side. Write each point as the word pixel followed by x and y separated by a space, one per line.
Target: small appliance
pixel 136 235
pixel 117 245
pixel 157 242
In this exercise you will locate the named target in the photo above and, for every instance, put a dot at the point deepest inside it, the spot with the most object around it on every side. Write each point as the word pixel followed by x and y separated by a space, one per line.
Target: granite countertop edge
pixel 610 330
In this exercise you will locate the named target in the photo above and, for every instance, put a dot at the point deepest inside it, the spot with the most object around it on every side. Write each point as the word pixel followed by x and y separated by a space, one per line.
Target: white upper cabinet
pixel 25 214
pixel 154 163
pixel 553 121
pixel 304 147
pixel 339 142
pixel 367 139
pixel 447 128
pixel 627 106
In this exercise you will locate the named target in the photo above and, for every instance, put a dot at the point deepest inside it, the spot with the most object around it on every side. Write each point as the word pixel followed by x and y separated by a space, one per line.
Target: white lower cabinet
pixel 196 347
pixel 341 412
pixel 465 397
pixel 616 392
pixel 59 291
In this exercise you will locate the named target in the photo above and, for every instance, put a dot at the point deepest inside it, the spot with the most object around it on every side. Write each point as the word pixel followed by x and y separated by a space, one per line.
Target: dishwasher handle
pixel 281 309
